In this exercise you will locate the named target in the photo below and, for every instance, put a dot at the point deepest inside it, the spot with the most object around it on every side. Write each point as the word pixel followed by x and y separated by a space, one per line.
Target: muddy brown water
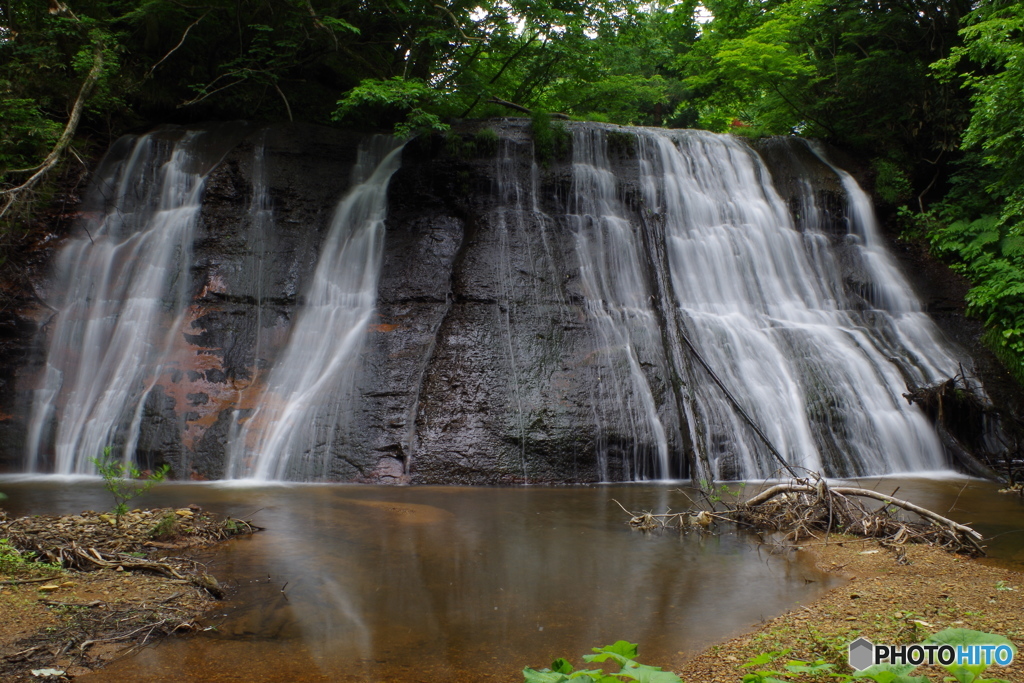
pixel 434 584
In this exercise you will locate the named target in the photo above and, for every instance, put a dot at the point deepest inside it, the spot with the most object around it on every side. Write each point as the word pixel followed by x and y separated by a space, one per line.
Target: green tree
pixel 979 225
pixel 991 63
pixel 855 74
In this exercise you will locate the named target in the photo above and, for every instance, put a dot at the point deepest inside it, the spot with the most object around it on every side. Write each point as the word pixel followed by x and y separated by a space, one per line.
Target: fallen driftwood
pixel 18 582
pixel 807 507
pixel 94 540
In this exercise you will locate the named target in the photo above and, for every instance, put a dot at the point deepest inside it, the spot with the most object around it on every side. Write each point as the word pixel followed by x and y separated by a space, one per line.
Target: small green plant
pixel 125 481
pixel 166 528
pixel 797 670
pixel 455 146
pixel 891 183
pixel 818 669
pixel 621 652
pixel 13 562
pixel 720 493
pixel 551 139
pixel 485 141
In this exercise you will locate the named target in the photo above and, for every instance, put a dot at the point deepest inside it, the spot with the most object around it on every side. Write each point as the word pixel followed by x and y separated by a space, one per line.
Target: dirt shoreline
pixel 893 595
pixel 79 591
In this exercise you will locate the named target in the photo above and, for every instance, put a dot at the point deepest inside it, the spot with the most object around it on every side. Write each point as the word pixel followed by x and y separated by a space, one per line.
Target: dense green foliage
pixel 990 252
pixel 927 92
pixel 621 652
pixel 296 59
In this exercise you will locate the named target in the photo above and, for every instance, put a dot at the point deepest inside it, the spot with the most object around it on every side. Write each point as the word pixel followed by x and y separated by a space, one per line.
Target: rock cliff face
pixel 491 359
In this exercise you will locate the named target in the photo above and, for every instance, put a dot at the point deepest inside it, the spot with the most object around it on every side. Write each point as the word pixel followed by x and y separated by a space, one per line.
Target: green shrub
pixel 991 255
pixel 165 529
pixel 551 139
pixel 124 481
pixel 621 652
pixel 486 142
pixel 891 184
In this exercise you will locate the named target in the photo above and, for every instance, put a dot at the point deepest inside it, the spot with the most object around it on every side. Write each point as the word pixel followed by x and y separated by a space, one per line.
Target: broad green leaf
pixel 966 673
pixel 761 659
pixel 873 672
pixel 542 676
pixel 649 674
pixel 605 656
pixel 805 668
pixel 592 674
pixel 561 666
pixel 620 647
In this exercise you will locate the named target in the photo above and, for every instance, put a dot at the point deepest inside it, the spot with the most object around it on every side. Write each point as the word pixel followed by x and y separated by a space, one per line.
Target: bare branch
pixel 519 107
pixel 173 49
pixel 286 105
pixel 197 100
pixel 455 22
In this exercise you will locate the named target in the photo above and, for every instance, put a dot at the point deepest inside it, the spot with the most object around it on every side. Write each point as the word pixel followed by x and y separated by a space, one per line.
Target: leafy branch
pixel 125 481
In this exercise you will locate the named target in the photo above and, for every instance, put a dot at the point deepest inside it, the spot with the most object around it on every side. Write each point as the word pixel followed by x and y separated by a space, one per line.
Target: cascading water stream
pixel 124 286
pixel 618 305
pixel 759 305
pixel 906 330
pixel 305 406
pixel 512 217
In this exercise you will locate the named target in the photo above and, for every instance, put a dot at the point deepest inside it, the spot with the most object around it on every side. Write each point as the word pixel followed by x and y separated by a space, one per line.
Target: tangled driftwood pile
pixel 139 541
pixel 810 508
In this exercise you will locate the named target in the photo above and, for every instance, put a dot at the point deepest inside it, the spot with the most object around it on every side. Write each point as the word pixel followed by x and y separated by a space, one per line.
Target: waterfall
pixel 823 379
pixel 123 281
pixel 656 306
pixel 304 409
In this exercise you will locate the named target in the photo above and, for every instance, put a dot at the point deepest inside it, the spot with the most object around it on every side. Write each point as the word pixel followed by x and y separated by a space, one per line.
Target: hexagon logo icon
pixel 862 654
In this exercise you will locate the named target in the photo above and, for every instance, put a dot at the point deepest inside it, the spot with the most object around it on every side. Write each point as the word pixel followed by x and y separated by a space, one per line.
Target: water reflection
pixel 354 583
